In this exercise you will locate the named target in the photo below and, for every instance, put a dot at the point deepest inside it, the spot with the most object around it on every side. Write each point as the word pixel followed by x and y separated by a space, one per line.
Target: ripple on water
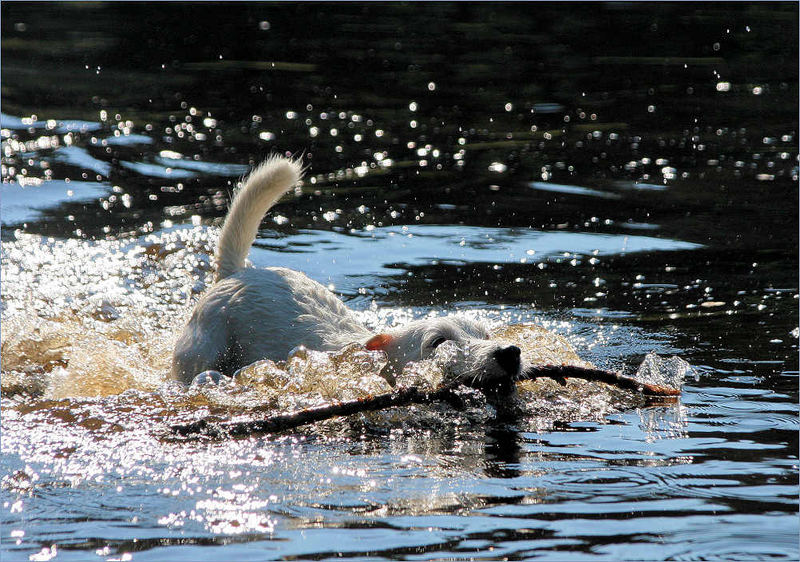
pixel 419 244
pixel 27 203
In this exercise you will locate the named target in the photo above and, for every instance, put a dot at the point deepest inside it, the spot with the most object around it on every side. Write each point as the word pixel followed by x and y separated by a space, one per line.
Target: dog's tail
pixel 263 187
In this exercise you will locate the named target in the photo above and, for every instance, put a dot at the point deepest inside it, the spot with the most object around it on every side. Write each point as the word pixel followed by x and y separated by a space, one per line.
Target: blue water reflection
pixel 331 256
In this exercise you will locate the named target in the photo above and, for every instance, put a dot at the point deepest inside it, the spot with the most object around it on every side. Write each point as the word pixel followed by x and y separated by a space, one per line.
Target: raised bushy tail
pixel 263 187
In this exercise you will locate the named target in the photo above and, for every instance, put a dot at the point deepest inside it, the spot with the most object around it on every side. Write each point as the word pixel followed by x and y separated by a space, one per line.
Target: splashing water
pixel 98 319
pixel 310 378
pixel 670 371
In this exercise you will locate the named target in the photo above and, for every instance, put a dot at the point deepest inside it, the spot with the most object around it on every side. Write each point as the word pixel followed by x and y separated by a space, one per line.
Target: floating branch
pixel 559 372
pixel 411 395
pixel 282 422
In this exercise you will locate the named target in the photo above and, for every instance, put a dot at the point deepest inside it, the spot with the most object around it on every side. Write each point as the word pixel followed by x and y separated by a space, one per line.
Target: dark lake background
pixel 624 173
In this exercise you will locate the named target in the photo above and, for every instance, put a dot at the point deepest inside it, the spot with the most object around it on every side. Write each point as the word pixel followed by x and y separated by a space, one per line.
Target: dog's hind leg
pixel 198 350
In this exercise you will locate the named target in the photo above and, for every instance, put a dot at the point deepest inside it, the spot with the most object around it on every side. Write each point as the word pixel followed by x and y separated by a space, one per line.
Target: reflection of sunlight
pixel 572 190
pixel 80 157
pixel 58 126
pixel 229 512
pixel 129 139
pixel 30 197
pixel 174 160
pixel 157 170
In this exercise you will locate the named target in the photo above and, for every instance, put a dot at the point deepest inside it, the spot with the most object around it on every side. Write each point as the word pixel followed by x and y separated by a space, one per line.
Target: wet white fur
pixel 251 314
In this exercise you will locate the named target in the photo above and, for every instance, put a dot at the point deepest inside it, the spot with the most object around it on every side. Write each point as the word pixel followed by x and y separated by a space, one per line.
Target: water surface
pixel 621 175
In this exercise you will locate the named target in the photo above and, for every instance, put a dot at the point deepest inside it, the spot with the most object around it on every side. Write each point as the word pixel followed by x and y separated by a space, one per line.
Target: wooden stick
pixel 282 422
pixel 559 372
pixel 411 395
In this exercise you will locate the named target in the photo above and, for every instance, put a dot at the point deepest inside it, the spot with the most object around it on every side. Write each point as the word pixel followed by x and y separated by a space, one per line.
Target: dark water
pixel 623 174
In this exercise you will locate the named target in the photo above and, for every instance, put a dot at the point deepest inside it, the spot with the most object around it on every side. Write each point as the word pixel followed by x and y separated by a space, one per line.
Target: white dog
pixel 251 314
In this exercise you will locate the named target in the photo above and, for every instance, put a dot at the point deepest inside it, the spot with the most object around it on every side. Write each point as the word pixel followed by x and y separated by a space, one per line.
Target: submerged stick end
pixel 199 427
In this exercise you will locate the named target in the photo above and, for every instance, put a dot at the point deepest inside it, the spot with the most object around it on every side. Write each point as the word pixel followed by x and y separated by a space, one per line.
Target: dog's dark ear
pixel 378 342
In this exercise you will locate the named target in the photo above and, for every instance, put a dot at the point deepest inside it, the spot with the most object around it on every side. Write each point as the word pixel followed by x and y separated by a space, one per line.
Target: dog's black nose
pixel 508 359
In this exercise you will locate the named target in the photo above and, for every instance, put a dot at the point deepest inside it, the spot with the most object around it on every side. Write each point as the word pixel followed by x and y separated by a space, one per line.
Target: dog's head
pixel 475 358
